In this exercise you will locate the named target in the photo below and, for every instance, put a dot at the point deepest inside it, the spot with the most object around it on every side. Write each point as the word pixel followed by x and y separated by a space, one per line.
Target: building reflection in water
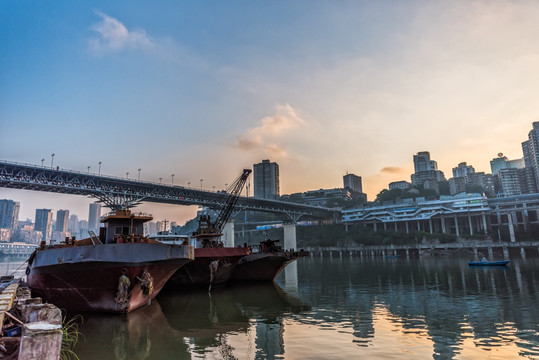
pixel 337 307
pixel 444 296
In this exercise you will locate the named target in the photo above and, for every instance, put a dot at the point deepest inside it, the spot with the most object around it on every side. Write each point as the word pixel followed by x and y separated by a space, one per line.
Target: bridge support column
pixel 375 227
pixel 289 236
pixel 228 234
pixel 443 225
pixel 490 253
pixel 457 226
pixel 470 224
pixel 505 252
pixel 511 228
pixel 407 228
pixel 430 225
pixel 484 223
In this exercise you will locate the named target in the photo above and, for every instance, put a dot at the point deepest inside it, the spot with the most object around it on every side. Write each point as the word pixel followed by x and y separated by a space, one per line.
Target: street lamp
pixel 99 163
pixel 160 180
pixel 52 160
pixel 127 175
pixel 188 184
pixel 88 172
pixel 172 179
pixel 139 174
pixel 42 160
pixel 201 180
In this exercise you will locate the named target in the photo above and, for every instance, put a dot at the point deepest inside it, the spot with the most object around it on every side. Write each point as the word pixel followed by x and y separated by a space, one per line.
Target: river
pixel 333 308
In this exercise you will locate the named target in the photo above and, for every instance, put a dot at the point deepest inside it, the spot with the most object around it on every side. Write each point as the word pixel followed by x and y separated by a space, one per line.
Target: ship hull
pixel 87 278
pixel 197 274
pixel 264 266
pixel 260 267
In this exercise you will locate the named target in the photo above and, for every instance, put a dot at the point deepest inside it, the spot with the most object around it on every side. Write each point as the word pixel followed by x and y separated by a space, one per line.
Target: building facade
pixel 43 223
pixel 9 214
pixel 266 180
pixel 62 220
pixel 400 185
pixel 426 173
pixel 94 216
pixel 353 182
pixel 463 170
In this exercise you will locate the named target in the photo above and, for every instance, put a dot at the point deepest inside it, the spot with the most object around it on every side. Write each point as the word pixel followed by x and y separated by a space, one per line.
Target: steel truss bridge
pixel 118 193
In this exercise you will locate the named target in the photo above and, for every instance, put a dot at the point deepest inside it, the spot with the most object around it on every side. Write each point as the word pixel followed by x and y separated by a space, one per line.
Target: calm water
pixel 336 308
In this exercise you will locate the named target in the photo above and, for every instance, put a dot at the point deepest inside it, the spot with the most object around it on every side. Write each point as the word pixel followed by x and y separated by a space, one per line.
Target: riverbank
pixel 469 249
pixel 30 329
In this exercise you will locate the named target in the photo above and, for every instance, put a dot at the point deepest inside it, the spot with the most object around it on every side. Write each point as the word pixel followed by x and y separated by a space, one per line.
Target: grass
pixel 70 338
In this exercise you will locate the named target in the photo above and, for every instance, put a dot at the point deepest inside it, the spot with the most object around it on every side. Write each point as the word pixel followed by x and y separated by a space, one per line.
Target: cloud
pixel 269 136
pixel 392 169
pixel 112 35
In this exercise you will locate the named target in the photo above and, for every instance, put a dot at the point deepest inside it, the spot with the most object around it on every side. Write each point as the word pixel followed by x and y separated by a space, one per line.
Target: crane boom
pixel 232 199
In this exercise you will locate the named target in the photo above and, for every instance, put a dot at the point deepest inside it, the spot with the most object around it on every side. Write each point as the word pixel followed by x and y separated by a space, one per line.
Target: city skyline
pixel 325 90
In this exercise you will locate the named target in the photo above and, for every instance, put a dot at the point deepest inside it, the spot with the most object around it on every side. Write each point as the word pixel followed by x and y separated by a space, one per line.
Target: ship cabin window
pixel 121 230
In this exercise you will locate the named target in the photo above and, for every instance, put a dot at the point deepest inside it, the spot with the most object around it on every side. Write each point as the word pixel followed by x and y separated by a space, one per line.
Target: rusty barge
pixel 119 271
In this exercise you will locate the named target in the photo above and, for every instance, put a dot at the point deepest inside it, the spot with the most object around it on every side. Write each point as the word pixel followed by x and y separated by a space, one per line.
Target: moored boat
pixel 119 271
pixel 489 263
pixel 264 262
pixel 214 263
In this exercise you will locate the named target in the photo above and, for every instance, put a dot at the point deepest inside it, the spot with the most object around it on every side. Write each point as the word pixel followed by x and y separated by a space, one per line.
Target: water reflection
pixel 439 299
pixel 195 324
pixel 338 308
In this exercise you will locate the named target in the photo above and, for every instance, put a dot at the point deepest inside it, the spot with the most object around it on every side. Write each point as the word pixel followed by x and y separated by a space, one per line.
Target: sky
pixel 203 89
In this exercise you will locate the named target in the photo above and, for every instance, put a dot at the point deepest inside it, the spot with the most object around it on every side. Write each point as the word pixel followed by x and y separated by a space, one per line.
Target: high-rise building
pixel 43 223
pixel 62 219
pixel 530 149
pixel 502 162
pixel 422 162
pixel 94 216
pixel 509 181
pixel 73 225
pixel 266 180
pixel 463 170
pixel 353 182
pixel 9 214
pixel 426 173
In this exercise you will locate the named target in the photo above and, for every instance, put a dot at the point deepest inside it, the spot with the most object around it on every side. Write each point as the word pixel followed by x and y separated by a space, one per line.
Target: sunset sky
pixel 203 89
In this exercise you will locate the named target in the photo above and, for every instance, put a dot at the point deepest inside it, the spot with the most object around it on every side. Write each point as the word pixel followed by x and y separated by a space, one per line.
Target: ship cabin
pixel 123 226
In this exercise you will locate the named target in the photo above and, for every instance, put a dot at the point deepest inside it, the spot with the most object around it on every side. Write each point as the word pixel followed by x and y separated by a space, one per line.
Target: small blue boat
pixel 489 263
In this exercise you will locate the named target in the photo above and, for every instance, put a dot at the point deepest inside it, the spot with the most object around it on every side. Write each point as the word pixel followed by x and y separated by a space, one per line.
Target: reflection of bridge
pixel 119 192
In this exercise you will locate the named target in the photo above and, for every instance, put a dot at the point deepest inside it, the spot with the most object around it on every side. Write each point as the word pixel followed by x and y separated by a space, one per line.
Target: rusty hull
pixel 264 266
pixel 86 278
pixel 196 275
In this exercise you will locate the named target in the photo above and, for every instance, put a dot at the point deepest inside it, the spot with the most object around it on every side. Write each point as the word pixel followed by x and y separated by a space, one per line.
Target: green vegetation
pixel 70 338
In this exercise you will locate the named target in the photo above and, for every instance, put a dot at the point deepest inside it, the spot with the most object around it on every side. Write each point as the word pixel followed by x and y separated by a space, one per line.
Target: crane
pixel 205 226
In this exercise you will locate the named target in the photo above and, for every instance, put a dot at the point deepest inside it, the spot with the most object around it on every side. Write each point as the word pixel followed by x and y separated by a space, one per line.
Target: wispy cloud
pixel 111 35
pixel 269 135
pixel 392 170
